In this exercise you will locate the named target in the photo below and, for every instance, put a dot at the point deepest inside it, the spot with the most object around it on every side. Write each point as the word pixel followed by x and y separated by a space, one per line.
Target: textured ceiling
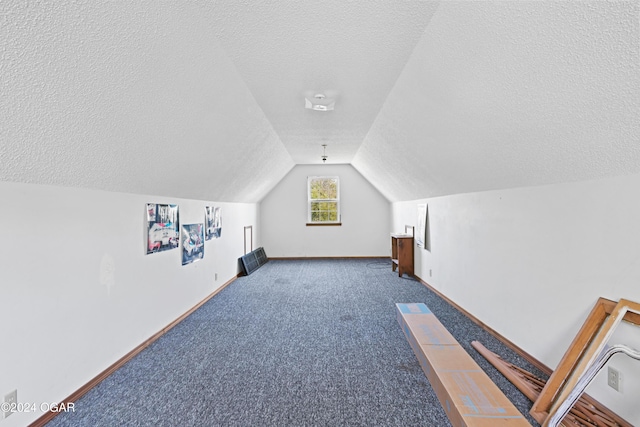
pixel 133 97
pixel 204 99
pixel 352 51
pixel 509 94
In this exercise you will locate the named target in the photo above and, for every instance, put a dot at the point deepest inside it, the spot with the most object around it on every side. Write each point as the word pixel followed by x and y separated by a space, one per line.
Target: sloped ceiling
pixel 132 97
pixel 350 51
pixel 204 99
pixel 509 94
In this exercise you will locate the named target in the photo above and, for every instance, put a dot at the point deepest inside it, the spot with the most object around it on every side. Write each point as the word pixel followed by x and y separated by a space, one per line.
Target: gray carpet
pixel 297 343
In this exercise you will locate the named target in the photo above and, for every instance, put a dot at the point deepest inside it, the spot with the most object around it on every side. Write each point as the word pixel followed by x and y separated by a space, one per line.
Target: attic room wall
pixel 531 262
pixel 67 322
pixel 365 217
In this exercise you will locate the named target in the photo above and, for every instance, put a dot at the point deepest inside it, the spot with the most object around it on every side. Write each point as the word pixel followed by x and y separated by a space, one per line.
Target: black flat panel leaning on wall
pixel 261 256
pixel 253 260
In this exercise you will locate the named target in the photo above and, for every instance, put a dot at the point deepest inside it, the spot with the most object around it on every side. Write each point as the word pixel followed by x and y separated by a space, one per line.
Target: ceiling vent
pixel 319 102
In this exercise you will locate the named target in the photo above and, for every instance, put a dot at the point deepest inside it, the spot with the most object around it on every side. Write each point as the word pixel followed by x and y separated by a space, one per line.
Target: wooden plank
pixel 608 305
pixel 594 321
pixel 584 413
pixel 525 387
pixel 596 341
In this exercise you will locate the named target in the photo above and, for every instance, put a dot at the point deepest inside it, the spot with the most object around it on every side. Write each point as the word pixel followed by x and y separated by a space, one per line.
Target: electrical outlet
pixel 215 277
pixel 10 400
pixel 430 273
pixel 613 378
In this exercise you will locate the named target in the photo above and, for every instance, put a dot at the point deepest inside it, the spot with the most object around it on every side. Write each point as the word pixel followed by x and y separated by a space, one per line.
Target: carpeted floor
pixel 297 343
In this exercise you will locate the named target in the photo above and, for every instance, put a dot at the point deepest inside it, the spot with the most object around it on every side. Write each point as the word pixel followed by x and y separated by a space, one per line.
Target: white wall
pixel 531 263
pixel 63 320
pixel 365 217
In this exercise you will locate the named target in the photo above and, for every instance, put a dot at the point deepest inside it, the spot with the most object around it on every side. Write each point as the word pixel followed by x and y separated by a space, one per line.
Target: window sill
pixel 323 224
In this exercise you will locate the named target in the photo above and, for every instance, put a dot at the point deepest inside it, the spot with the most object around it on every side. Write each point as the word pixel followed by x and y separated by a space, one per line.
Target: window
pixel 323 200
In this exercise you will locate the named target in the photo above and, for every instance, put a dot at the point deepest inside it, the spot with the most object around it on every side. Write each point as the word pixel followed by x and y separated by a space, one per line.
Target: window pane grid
pixel 324 197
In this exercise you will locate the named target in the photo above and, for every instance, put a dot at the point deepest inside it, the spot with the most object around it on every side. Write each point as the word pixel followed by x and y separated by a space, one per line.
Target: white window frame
pixel 338 221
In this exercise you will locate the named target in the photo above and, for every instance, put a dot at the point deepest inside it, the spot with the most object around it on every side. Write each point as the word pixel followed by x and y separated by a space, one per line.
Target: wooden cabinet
pixel 402 253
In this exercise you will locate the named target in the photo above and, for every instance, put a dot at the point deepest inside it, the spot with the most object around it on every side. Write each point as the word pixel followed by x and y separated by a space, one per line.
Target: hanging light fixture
pixel 324 153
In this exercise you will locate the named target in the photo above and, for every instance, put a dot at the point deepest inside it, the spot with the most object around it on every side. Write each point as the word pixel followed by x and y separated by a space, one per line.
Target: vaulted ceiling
pixel 205 100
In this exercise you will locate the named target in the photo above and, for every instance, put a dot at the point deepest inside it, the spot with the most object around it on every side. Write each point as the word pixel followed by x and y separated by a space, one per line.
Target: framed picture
pixel 192 237
pixel 162 227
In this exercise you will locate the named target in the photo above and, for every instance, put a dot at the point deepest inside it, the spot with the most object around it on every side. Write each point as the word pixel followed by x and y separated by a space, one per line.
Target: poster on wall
pixel 421 225
pixel 192 243
pixel 213 222
pixel 162 227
